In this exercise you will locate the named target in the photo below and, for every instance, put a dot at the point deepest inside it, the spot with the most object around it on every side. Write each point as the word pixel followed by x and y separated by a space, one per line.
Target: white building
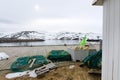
pixel 111 39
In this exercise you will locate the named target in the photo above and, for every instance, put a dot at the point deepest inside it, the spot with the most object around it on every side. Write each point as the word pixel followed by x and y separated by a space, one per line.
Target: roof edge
pixel 98 2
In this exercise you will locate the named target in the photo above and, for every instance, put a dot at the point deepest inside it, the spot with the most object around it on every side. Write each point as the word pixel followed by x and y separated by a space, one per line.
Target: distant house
pixel 111 39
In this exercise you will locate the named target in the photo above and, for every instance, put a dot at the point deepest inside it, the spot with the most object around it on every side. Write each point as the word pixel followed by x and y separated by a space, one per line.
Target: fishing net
pixel 59 55
pixel 28 63
pixel 93 60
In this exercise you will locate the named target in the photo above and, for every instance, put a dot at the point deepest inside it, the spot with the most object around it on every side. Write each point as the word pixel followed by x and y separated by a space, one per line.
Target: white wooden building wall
pixel 111 40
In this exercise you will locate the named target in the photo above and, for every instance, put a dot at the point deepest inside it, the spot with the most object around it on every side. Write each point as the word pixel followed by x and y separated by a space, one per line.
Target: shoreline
pixel 19 40
pixel 42 45
pixel 51 45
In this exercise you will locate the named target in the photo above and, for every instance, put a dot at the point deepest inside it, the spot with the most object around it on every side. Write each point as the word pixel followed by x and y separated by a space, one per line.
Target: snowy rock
pixel 3 56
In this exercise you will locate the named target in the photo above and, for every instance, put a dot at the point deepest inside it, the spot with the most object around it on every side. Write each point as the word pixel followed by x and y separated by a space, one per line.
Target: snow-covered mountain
pixel 67 35
pixel 77 36
pixel 25 35
pixel 2 34
pixel 50 36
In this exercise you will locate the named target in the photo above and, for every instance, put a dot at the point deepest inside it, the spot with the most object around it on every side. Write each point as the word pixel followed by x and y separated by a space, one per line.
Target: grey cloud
pixel 7 21
pixel 23 11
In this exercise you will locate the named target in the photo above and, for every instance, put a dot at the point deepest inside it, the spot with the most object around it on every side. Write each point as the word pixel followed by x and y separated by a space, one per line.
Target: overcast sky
pixel 50 15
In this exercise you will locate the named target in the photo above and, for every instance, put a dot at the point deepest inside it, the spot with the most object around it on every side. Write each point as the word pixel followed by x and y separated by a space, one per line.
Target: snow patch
pixel 3 56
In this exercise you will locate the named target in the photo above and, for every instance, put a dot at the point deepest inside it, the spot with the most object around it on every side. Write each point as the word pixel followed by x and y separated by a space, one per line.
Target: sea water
pixel 42 43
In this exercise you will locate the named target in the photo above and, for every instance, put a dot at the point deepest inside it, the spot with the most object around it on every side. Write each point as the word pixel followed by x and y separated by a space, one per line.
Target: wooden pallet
pixel 94 71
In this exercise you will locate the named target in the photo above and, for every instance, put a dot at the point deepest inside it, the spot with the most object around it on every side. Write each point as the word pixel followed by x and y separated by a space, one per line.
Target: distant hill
pixel 77 36
pixel 26 35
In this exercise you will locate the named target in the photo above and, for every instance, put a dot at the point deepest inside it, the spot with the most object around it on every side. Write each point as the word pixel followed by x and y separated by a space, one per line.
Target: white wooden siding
pixel 111 40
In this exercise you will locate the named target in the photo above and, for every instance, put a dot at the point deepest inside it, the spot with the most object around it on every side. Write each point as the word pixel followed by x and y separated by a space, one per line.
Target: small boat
pixel 93 40
pixel 75 39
